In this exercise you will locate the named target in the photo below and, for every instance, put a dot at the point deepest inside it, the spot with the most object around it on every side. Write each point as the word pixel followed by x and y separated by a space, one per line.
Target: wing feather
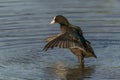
pixel 64 40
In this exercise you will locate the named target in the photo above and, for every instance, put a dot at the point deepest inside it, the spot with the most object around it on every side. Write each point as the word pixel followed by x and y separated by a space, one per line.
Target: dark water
pixel 24 26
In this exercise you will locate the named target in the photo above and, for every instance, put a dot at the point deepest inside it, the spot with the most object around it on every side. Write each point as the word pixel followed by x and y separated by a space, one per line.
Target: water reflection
pixel 80 73
pixel 60 71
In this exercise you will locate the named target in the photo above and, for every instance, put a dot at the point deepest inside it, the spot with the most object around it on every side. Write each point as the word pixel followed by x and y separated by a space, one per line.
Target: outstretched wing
pixel 64 40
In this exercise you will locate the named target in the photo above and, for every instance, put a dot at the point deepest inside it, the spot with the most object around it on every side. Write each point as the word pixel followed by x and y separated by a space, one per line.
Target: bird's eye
pixel 56 19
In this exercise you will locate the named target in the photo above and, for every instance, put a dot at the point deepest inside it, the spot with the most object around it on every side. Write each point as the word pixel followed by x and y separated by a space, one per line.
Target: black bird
pixel 71 37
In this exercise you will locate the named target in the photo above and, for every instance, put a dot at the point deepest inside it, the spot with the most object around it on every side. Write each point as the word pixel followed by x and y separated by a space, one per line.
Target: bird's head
pixel 60 19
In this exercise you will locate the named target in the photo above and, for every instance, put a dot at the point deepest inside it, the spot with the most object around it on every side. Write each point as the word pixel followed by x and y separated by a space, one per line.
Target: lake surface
pixel 24 26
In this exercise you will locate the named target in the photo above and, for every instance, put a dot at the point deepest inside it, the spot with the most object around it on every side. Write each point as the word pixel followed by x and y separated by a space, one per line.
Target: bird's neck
pixel 64 28
pixel 64 23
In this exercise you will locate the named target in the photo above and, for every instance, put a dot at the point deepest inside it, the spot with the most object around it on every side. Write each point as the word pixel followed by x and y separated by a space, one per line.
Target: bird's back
pixel 86 48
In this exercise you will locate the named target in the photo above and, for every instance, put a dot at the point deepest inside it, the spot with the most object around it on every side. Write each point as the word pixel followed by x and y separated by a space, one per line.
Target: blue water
pixel 24 26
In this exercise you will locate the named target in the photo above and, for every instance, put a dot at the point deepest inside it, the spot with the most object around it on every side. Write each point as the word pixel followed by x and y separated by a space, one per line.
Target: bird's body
pixel 70 37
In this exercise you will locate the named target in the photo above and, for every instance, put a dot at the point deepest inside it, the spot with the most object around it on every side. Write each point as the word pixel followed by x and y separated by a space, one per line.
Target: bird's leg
pixel 81 59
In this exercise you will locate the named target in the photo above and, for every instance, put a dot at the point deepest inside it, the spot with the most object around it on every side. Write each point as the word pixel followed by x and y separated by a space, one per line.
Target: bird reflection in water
pixel 79 73
pixel 60 71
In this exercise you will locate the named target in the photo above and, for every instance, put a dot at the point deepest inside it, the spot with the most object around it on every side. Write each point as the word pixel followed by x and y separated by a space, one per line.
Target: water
pixel 24 26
